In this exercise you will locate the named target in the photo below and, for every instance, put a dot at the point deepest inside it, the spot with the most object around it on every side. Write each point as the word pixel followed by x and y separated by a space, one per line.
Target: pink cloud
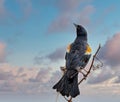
pixel 42 76
pixel 85 15
pixel 59 24
pixel 113 47
pixel 17 80
pixel 7 16
pixel 109 54
pixel 102 76
pixel 110 51
pixel 68 5
pixel 2 52
pixel 2 7
pixel 65 19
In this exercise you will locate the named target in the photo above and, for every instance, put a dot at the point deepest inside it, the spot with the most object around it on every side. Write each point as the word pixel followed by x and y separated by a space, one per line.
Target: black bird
pixel 77 56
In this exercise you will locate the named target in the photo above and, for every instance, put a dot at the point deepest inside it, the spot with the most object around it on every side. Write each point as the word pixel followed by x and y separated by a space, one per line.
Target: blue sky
pixel 34 35
pixel 26 25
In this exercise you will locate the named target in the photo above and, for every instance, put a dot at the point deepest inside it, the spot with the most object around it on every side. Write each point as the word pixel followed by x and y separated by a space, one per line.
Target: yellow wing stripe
pixel 88 50
pixel 68 48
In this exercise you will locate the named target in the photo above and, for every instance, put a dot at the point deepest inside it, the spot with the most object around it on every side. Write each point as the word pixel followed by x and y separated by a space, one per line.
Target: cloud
pixel 110 51
pixel 4 15
pixel 113 80
pixel 2 7
pixel 117 79
pixel 60 24
pixel 102 76
pixel 42 76
pixel 2 52
pixel 55 78
pixel 56 55
pixel 109 54
pixel 6 75
pixel 69 13
pixel 106 88
pixel 85 14
pixel 39 59
pixel 21 80
pixel 68 5
pixel 7 17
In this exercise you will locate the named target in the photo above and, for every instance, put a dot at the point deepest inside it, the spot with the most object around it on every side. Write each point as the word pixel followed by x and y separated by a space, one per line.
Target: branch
pixel 84 78
pixel 91 65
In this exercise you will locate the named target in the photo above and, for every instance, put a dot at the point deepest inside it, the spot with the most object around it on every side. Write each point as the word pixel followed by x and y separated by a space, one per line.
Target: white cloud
pixel 19 80
pixel 24 80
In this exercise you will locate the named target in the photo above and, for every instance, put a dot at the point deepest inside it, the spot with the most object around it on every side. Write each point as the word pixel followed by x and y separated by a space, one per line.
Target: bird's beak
pixel 75 25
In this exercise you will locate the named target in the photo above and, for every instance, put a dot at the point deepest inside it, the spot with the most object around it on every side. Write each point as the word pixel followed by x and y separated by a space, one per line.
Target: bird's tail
pixel 68 84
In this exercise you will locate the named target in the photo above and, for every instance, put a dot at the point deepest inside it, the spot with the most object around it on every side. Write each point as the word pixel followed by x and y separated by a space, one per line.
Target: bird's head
pixel 80 30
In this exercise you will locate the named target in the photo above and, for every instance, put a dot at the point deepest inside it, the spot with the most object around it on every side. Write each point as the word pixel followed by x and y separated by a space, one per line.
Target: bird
pixel 77 56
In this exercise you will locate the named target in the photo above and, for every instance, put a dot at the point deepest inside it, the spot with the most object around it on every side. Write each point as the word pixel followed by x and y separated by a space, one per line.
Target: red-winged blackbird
pixel 77 56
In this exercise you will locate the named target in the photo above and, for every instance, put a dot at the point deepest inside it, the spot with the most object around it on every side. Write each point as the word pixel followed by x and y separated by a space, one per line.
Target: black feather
pixel 68 84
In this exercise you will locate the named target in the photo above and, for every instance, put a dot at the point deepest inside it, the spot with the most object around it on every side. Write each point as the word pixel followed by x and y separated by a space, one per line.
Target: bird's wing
pixel 84 60
pixel 85 57
pixel 78 58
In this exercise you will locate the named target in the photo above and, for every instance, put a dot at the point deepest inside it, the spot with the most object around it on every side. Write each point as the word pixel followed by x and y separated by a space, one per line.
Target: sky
pixel 34 35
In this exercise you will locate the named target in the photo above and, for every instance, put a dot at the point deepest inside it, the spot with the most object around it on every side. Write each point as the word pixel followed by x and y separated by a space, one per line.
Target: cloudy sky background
pixel 33 39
